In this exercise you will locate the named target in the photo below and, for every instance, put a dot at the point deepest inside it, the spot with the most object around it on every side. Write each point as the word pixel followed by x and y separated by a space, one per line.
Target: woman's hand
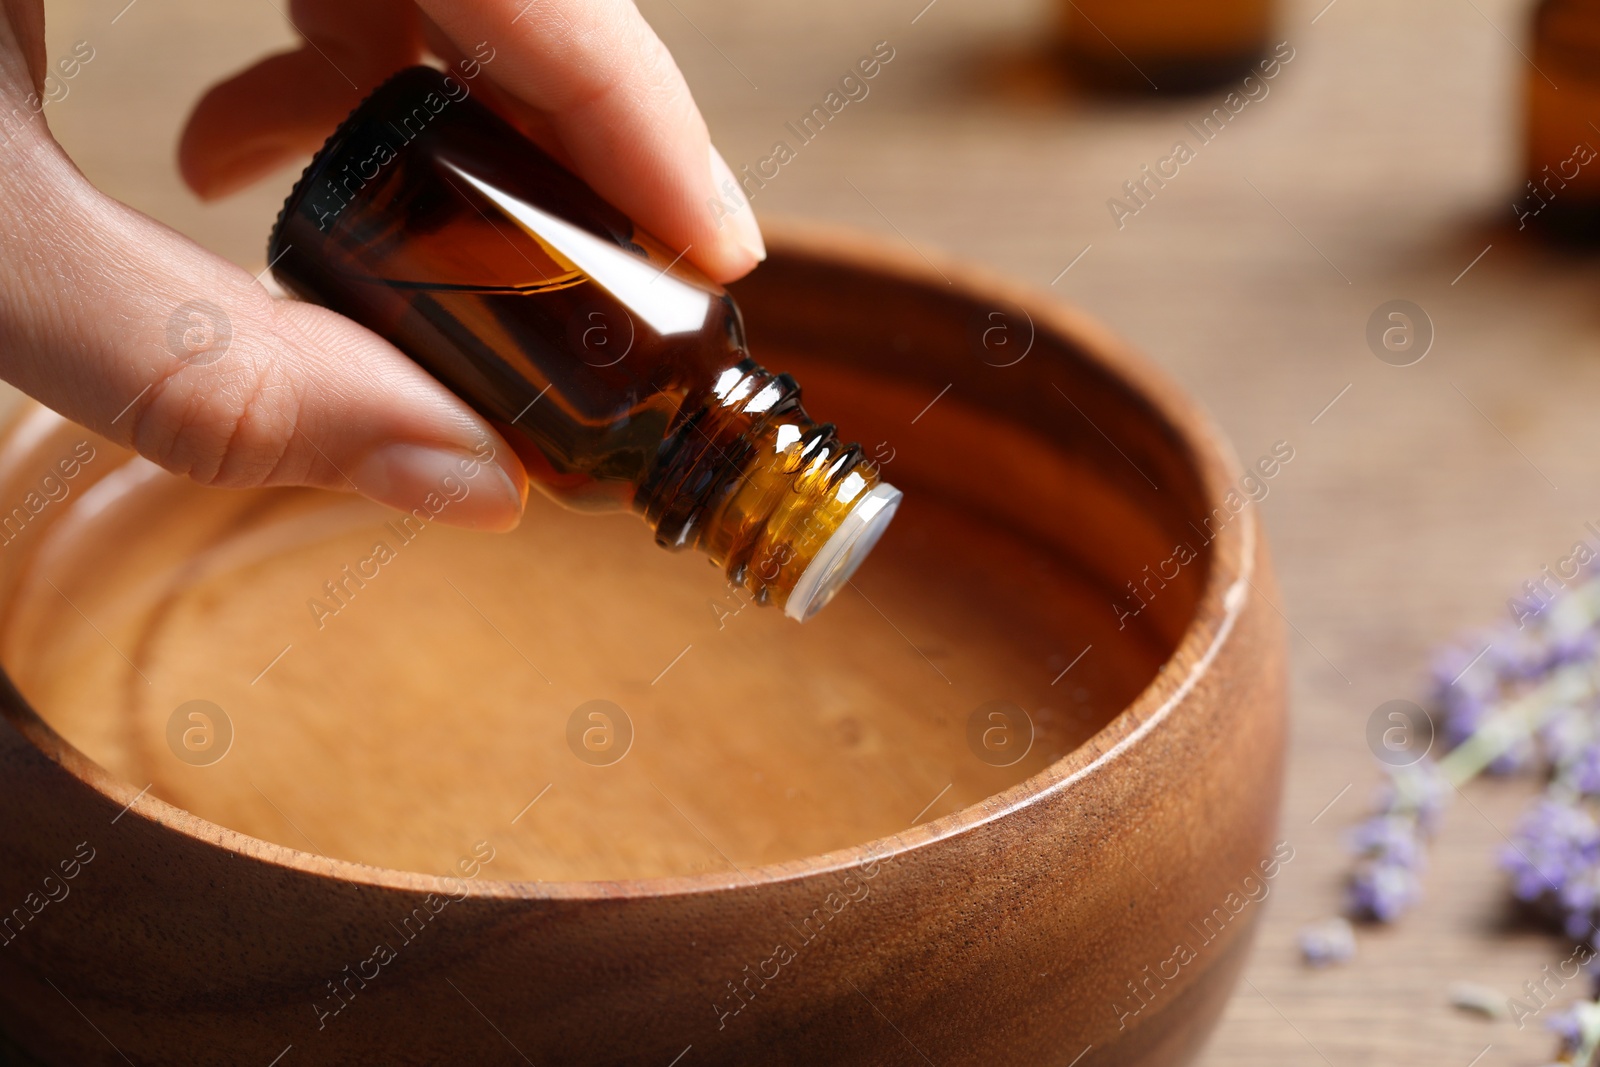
pixel 96 298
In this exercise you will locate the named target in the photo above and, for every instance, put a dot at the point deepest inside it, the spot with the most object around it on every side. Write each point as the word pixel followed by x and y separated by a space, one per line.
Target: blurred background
pixel 1383 162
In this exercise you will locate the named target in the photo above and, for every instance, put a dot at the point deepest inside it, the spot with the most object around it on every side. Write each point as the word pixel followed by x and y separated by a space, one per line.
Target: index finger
pixel 613 96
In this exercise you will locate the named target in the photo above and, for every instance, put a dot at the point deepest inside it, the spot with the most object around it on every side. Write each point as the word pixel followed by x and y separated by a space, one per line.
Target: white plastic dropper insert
pixel 843 552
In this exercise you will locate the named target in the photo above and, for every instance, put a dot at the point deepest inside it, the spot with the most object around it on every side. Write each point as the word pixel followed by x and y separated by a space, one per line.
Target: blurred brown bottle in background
pixel 1561 197
pixel 1166 45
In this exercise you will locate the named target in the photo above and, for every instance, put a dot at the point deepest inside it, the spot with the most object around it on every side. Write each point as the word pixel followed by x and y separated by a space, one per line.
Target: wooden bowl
pixel 1009 800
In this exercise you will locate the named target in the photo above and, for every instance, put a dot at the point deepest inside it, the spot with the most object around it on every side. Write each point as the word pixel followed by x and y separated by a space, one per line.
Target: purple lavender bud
pixel 1327 941
pixel 1568 649
pixel 1568 1027
pixel 1462 707
pixel 1520 657
pixel 1419 788
pixel 1565 734
pixel 1382 891
pixel 1555 846
pixel 1448 662
pixel 1518 756
pixel 1586 770
pixel 1389 839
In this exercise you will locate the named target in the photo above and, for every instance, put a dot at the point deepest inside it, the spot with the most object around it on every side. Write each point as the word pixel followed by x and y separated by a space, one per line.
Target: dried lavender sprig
pixel 1470 678
pixel 1525 697
pixel 1391 845
pixel 1554 852
pixel 1519 721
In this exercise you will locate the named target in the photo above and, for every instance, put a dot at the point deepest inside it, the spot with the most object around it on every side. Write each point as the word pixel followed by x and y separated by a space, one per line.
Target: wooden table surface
pixel 1380 165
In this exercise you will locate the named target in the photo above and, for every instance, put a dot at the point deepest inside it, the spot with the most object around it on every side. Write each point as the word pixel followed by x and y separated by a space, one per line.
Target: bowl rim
pixel 1221 601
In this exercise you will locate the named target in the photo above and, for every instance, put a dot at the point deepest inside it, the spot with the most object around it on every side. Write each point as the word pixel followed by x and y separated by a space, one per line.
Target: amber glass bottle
pixel 1561 197
pixel 618 372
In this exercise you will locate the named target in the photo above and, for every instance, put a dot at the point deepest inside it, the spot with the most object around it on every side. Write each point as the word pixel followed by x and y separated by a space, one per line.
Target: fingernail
pixel 742 220
pixel 444 484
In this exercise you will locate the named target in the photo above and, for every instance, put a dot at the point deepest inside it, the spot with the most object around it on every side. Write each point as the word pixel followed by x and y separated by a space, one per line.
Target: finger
pixel 283 107
pixel 535 125
pixel 22 38
pixel 101 319
pixel 623 113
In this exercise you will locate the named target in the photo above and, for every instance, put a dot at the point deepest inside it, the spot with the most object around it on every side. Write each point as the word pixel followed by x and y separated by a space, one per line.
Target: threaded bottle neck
pixel 774 498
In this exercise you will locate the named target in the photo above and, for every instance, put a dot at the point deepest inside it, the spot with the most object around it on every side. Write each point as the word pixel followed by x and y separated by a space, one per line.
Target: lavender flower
pixel 1555 847
pixel 1385 880
pixel 1328 941
pixel 1383 890
pixel 1555 856
pixel 1391 844
pixel 1463 691
pixel 1567 649
pixel 1567 1025
pixel 1420 790
pixel 1586 769
pixel 1566 732
pixel 1505 700
pixel 1517 697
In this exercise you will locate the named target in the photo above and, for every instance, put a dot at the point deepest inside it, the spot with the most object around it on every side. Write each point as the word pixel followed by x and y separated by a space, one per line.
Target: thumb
pixel 127 327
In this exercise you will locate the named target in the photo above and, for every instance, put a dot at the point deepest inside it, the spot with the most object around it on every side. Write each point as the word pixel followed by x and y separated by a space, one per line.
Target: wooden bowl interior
pixel 432 708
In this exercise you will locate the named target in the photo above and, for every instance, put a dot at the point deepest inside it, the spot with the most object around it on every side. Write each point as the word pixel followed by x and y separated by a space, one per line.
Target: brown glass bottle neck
pixel 751 480
pixel 711 446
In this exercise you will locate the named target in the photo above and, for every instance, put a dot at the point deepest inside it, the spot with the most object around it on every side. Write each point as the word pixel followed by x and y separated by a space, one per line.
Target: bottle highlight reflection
pixel 617 371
